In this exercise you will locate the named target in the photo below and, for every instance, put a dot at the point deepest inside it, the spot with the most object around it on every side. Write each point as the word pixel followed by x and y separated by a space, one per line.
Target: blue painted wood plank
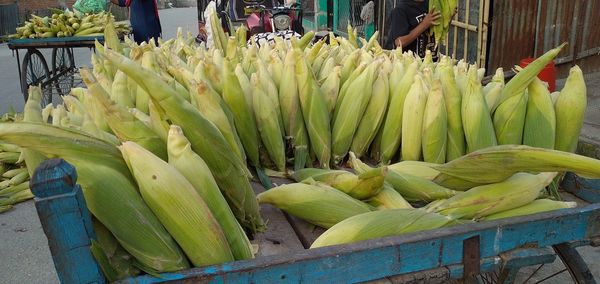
pixel 586 189
pixel 375 259
pixel 66 222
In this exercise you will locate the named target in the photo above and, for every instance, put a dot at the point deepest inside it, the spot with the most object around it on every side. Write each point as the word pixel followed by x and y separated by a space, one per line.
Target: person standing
pixel 409 27
pixel 143 15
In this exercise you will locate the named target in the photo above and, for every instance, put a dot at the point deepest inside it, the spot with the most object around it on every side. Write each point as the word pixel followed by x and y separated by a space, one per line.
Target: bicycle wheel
pixel 63 63
pixel 34 71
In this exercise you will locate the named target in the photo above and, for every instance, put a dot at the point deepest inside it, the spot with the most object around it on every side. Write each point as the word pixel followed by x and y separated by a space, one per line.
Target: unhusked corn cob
pixel 570 109
pixel 314 111
pixel 109 190
pixel 477 123
pixel 388 198
pixel 119 92
pixel 195 170
pixel 519 83
pixel 331 88
pixel 537 206
pixel 362 186
pixel 496 164
pixel 392 126
pixel 270 89
pixel 243 115
pixel 435 126
pixel 345 86
pixel 412 121
pixel 228 169
pixel 32 112
pixel 452 99
pixel 415 168
pixel 371 121
pixel 454 183
pixel 350 112
pixel 178 206
pixel 540 119
pixel 412 188
pixel 293 120
pixel 509 119
pixel 493 90
pixel 481 201
pixel 268 127
pixel 380 224
pixel 322 206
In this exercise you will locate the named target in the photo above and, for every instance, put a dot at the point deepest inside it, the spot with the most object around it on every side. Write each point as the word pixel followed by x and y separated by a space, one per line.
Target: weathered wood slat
pixel 279 238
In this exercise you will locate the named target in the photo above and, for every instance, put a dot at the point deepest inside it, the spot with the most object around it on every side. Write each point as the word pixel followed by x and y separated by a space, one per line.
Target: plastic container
pixel 547 75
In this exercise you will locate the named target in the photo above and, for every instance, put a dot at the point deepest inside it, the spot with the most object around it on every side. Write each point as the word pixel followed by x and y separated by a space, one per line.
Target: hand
pixel 431 19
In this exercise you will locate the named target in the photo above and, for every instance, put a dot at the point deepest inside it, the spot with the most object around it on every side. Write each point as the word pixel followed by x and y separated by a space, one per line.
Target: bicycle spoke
pixel 554 274
pixel 534 272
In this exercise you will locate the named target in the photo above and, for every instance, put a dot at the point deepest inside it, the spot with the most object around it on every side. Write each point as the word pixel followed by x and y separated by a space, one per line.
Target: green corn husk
pixel 388 198
pixel 454 183
pixel 234 97
pixel 570 109
pixel 12 189
pixel 554 97
pixel 540 119
pixel 19 178
pixel 412 188
pixel 350 112
pixel 270 89
pixel 122 122
pixel 158 121
pixel 346 86
pixel 496 164
pixel 363 186
pixel 415 168
pixel 9 157
pixel 293 121
pixel 110 192
pixel 412 121
pixel 32 112
pixel 392 126
pixel 519 83
pixel 509 120
pixel 372 119
pixel 537 206
pixel 516 191
pixel 114 261
pixel 195 170
pixel 17 197
pixel 178 206
pixel 270 132
pixel 227 168
pixel 331 88
pixel 119 93
pixel 493 89
pixel 380 224
pixel 314 111
pixel 322 206
pixel 5 208
pixel 435 126
pixel 477 123
pixel 453 99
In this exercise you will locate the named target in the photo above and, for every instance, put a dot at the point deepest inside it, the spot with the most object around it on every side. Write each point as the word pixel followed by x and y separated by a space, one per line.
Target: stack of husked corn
pixel 14 175
pixel 163 135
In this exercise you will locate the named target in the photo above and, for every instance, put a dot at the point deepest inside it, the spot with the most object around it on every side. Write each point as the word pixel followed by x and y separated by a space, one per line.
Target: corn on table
pixel 465 251
pixel 34 69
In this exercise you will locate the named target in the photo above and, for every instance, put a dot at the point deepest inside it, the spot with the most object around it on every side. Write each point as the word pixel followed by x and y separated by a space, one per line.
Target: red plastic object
pixel 547 75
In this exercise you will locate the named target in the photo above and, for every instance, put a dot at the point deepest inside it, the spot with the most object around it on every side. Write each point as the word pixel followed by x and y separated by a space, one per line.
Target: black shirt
pixel 403 19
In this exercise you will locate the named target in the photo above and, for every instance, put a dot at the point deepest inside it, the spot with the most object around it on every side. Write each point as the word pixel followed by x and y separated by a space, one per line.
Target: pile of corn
pixel 163 134
pixel 67 24
pixel 14 176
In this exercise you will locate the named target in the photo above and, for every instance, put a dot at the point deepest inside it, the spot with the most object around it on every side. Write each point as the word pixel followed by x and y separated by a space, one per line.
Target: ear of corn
pixel 114 261
pixel 537 206
pixel 435 126
pixel 345 86
pixel 115 201
pixel 314 111
pixel 509 119
pixel 119 92
pixel 372 119
pixel 195 170
pixel 362 186
pixel 392 126
pixel 270 89
pixel 519 83
pixel 350 112
pixel 454 183
pixel 178 206
pixel 477 123
pixel 207 141
pixel 243 116
pixel 540 120
pixel 516 191
pixel 412 121
pixel 493 89
pixel 415 168
pixel 32 112
pixel 570 111
pixel 496 164
pixel 322 206
pixel 268 127
pixel 158 120
pixel 388 198
pixel 412 188
pixel 452 98
pixel 380 224
pixel 331 88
